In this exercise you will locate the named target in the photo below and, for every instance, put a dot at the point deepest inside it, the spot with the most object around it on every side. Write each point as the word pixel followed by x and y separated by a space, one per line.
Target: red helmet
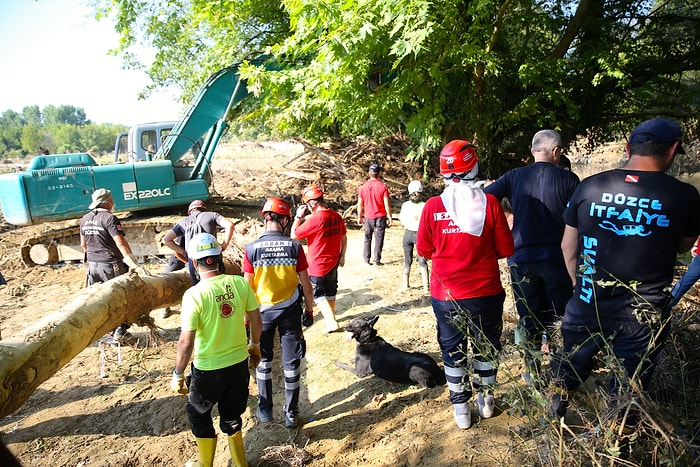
pixel 457 157
pixel 312 192
pixel 278 206
pixel 196 204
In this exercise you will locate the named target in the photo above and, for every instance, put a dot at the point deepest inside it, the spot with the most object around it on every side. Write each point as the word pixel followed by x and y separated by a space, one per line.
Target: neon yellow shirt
pixel 215 309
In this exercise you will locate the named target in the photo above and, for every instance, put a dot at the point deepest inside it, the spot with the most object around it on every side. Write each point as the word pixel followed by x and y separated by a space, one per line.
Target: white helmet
pixel 415 187
pixel 203 245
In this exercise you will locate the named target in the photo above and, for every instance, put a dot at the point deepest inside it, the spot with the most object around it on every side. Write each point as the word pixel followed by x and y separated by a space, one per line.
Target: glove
pixel 307 318
pixel 254 356
pixel 301 211
pixel 178 384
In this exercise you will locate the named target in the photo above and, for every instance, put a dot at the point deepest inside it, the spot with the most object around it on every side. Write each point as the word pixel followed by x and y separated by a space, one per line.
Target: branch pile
pixel 338 168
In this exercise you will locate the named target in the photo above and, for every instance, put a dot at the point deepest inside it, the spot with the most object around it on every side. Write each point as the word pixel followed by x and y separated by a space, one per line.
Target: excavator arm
pixel 204 123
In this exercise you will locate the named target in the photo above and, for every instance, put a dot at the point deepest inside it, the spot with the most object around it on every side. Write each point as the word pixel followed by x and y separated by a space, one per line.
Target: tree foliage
pixel 58 130
pixel 493 72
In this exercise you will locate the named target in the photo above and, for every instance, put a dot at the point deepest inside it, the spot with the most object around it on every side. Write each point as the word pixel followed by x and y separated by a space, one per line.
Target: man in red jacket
pixel 464 232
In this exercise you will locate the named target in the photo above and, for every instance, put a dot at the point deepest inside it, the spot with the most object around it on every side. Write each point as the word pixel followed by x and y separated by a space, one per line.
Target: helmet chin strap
pixel 467 178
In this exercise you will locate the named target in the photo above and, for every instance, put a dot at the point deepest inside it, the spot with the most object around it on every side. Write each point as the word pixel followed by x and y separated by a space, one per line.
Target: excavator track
pixel 62 245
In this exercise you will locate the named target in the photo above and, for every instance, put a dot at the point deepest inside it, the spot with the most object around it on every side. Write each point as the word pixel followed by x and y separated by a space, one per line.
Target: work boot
pixel 558 401
pixel 263 415
pixel 123 336
pixel 328 313
pixel 406 279
pixel 207 449
pixel 164 313
pixel 291 420
pixel 235 445
pixel 425 277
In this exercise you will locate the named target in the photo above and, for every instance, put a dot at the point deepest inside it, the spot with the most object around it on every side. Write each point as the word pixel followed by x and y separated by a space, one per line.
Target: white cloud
pixel 55 53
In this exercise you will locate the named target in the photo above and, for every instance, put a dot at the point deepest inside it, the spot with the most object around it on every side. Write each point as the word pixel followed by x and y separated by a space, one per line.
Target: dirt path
pixel 115 409
pixel 130 417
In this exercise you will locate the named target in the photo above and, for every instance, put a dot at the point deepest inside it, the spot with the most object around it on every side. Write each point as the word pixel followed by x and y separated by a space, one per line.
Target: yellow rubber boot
pixel 207 449
pixel 327 308
pixel 235 445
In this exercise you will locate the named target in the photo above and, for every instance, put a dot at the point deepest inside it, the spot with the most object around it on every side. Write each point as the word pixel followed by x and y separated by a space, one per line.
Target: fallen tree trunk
pixel 32 356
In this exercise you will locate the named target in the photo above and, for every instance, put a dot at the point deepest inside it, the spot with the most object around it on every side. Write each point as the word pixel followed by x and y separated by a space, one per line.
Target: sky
pixel 53 52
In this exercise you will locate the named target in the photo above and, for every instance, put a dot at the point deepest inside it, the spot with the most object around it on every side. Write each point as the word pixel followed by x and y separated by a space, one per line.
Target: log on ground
pixel 33 355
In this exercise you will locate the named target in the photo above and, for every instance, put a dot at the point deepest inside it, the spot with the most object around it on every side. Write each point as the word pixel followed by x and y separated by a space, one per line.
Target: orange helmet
pixel 457 157
pixel 196 204
pixel 278 206
pixel 312 192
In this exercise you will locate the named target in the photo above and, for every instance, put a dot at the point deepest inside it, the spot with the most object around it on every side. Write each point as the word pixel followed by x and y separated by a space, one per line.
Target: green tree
pixel 35 139
pixel 64 114
pixel 99 139
pixel 67 138
pixel 31 115
pixel 193 38
pixel 11 125
pixel 489 71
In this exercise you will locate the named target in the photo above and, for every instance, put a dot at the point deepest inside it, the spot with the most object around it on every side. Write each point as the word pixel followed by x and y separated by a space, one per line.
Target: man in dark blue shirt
pixel 538 195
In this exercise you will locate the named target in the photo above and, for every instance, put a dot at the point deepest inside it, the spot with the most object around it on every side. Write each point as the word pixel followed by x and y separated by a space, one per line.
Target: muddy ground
pixel 114 407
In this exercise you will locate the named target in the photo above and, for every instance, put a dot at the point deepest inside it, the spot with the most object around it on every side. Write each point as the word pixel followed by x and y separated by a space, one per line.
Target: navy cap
pixel 374 168
pixel 660 130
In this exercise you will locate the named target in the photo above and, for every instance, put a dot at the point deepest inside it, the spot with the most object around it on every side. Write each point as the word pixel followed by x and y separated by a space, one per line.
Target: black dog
pixel 375 355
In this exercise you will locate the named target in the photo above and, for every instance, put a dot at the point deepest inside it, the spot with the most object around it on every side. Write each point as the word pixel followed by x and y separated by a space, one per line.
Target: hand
pixel 341 263
pixel 388 221
pixel 130 260
pixel 178 384
pixel 301 211
pixel 141 271
pixel 254 356
pixel 307 318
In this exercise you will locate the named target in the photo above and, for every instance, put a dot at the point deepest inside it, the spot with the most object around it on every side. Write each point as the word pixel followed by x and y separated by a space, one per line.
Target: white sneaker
pixel 486 405
pixel 463 415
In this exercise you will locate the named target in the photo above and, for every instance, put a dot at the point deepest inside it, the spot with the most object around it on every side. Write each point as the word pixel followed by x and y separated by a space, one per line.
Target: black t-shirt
pixel 630 224
pixel 190 226
pixel 538 195
pixel 98 227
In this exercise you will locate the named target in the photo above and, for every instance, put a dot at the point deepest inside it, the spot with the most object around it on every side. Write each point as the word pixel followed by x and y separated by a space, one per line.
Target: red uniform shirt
pixel 464 265
pixel 323 231
pixel 373 192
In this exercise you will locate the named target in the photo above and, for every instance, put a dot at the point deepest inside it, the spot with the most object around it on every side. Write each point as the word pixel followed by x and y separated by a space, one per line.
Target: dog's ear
pixel 373 320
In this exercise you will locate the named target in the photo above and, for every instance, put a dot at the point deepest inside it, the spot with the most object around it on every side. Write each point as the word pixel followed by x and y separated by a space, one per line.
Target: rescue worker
pixel 327 241
pixel 374 213
pixel 464 232
pixel 198 220
pixel 107 253
pixel 621 262
pixel 274 265
pixel 410 218
pixel 538 195
pixel 213 332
